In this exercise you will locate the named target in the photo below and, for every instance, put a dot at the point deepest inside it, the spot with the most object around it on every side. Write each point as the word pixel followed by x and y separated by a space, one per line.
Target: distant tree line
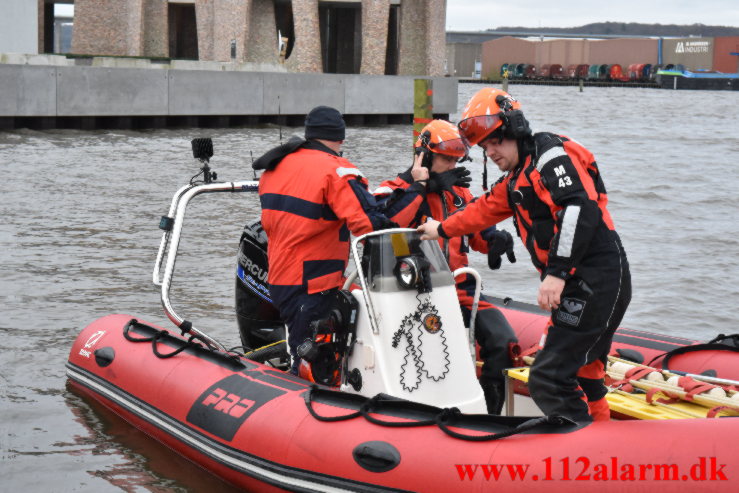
pixel 632 29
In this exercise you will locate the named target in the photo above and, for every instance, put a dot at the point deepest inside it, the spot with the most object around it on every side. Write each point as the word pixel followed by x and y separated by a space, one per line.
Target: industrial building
pixel 566 52
pixel 494 50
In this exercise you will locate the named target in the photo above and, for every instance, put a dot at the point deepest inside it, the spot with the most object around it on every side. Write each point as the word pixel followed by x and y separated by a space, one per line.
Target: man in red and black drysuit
pixel 553 190
pixel 439 147
pixel 311 198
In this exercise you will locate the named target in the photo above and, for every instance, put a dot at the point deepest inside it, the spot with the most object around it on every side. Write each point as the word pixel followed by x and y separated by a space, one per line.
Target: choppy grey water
pixel 78 238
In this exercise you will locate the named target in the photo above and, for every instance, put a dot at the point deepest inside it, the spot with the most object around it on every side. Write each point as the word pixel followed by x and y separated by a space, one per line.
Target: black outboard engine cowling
pixel 259 321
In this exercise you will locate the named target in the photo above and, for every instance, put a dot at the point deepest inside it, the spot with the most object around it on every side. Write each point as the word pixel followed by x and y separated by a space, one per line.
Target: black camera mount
pixel 202 150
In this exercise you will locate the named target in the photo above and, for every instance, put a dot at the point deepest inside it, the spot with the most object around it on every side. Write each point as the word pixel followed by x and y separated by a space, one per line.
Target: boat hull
pixel 718 83
pixel 249 424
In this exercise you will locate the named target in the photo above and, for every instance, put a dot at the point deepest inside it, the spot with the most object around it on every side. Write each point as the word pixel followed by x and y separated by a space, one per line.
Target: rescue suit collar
pixel 270 159
pixel 319 146
pixel 526 148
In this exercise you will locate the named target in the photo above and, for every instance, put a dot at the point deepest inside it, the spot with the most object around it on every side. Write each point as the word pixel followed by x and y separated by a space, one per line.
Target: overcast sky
pixel 476 15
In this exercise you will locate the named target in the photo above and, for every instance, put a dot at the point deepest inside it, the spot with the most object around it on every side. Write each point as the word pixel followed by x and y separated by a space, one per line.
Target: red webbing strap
pixel 636 373
pixel 672 397
pixel 693 387
pixel 517 354
pixel 714 411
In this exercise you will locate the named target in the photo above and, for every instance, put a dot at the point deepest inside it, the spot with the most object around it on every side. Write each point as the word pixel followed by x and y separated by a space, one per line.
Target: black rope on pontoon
pixel 193 341
pixel 444 419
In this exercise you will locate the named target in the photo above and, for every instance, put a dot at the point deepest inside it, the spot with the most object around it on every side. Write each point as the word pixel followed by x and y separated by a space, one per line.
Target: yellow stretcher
pixel 635 405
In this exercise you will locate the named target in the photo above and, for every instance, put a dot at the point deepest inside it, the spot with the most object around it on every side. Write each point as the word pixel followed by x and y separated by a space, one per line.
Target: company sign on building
pixel 693 53
pixel 702 46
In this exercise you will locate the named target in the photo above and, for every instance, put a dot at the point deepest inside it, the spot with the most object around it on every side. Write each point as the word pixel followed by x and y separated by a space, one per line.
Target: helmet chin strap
pixel 484 171
pixel 526 146
pixel 494 135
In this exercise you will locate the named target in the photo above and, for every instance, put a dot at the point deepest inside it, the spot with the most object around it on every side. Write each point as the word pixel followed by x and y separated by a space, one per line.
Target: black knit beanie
pixel 325 123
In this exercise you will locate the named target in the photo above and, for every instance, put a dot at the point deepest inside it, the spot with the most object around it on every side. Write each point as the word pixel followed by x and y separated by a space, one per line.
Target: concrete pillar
pixel 218 23
pixel 422 37
pixel 375 17
pixel 108 27
pixel 231 22
pixel 204 19
pixel 41 25
pixel 156 29
pixel 135 29
pixel 262 46
pixel 435 45
pixel 306 53
pixel 412 38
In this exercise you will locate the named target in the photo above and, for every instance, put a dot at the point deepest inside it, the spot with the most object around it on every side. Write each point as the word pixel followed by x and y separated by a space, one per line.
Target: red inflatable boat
pixel 263 430
pixel 408 414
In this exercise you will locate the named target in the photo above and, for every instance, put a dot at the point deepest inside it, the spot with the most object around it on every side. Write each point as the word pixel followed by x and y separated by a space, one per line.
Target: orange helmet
pixel 489 110
pixel 443 138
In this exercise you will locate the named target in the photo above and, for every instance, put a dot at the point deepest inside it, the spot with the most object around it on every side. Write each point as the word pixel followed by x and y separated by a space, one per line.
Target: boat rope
pixel 193 341
pixel 265 353
pixel 158 335
pixel 444 418
pixel 251 352
pixel 719 343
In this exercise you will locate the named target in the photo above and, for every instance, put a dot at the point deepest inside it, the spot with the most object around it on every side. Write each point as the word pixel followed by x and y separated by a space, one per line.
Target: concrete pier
pixel 47 96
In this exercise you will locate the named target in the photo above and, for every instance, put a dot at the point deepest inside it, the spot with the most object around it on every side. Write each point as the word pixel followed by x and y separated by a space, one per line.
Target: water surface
pixel 79 236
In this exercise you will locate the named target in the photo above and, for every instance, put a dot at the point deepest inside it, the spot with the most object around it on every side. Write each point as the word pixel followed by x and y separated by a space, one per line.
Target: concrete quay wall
pixel 90 97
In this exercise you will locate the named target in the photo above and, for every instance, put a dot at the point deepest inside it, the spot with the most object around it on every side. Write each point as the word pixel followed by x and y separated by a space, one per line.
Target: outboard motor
pixel 259 321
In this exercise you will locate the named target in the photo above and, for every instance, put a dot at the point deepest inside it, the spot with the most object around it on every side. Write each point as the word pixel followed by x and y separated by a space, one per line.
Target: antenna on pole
pixel 251 154
pixel 279 118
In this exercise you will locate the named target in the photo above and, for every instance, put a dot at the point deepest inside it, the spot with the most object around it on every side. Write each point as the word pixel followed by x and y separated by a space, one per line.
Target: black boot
pixel 494 397
pixel 494 335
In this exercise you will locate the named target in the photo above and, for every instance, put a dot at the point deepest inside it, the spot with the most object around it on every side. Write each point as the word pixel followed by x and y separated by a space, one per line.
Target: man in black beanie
pixel 325 123
pixel 312 198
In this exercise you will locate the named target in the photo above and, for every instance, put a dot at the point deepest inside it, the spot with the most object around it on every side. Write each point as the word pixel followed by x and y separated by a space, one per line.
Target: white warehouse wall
pixel 19 26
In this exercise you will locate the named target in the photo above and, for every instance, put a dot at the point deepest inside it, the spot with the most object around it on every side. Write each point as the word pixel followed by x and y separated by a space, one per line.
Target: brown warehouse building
pixel 695 54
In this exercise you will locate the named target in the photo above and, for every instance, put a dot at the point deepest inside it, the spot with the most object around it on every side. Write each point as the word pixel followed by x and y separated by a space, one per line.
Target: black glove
pixel 380 222
pixel 500 243
pixel 459 177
